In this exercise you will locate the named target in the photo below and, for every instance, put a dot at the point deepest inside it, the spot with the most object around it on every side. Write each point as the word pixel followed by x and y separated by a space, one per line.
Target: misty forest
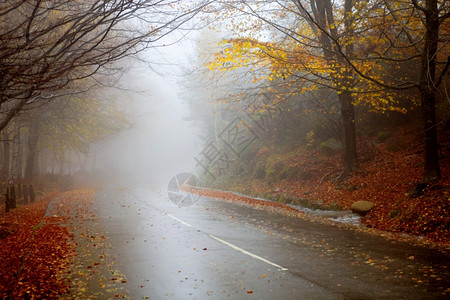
pixel 210 149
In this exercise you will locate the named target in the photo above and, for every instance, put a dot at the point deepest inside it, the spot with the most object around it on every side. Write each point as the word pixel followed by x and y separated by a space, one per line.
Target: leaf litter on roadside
pixel 59 254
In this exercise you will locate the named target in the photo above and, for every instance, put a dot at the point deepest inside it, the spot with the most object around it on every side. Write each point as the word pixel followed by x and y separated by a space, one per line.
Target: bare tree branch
pixel 47 45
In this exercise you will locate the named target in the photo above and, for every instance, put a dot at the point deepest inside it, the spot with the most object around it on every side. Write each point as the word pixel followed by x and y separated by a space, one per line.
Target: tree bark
pixel 33 138
pixel 11 191
pixel 19 191
pixel 428 91
pixel 26 195
pixel 349 132
pixel 328 37
pixel 31 193
pixel 16 170
pixel 7 203
pixel 6 153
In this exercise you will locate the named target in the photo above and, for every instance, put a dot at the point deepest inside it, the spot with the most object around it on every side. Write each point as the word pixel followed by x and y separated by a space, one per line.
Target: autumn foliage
pixel 34 253
pixel 391 179
pixel 236 198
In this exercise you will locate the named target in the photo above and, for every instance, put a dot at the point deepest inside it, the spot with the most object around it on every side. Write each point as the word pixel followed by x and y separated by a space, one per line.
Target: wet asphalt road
pixel 219 250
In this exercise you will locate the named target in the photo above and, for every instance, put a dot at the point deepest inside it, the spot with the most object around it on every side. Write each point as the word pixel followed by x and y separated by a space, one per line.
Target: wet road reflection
pixel 219 250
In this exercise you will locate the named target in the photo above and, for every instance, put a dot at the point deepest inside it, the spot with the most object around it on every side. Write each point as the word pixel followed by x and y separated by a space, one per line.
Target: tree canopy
pixel 46 45
pixel 364 50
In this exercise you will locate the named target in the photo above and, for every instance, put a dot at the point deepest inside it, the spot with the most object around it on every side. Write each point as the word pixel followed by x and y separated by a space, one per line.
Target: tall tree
pixel 324 22
pixel 429 82
pixel 315 28
pixel 354 47
pixel 17 151
pixel 33 139
pixel 5 166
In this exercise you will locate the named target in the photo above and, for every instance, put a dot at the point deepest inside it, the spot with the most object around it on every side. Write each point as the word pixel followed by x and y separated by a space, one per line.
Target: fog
pixel 160 143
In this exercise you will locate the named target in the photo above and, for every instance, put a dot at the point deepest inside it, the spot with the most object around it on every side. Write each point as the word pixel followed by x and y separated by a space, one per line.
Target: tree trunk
pixel 33 138
pixel 428 92
pixel 19 191
pixel 31 193
pixel 26 195
pixel 61 166
pixel 349 132
pixel 346 98
pixel 11 191
pixel 323 12
pixel 54 164
pixel 69 163
pixel 7 202
pixel 6 154
pixel 17 152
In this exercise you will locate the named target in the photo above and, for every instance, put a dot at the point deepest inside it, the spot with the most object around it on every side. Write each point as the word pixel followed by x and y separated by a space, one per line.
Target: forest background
pixel 322 104
pixel 317 102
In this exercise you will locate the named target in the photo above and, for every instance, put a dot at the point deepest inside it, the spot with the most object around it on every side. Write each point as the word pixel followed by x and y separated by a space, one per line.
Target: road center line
pixel 280 268
pixel 178 220
pixel 247 253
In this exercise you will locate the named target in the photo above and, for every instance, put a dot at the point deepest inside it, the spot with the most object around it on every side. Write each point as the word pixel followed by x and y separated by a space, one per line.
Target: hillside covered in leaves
pixel 389 175
pixel 324 103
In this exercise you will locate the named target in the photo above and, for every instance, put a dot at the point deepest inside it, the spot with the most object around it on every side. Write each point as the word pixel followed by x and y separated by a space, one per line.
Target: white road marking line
pixel 248 253
pixel 233 246
pixel 178 220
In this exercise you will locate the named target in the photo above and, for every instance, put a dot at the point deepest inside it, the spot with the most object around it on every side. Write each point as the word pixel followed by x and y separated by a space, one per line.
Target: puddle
pixel 349 219
pixel 340 216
